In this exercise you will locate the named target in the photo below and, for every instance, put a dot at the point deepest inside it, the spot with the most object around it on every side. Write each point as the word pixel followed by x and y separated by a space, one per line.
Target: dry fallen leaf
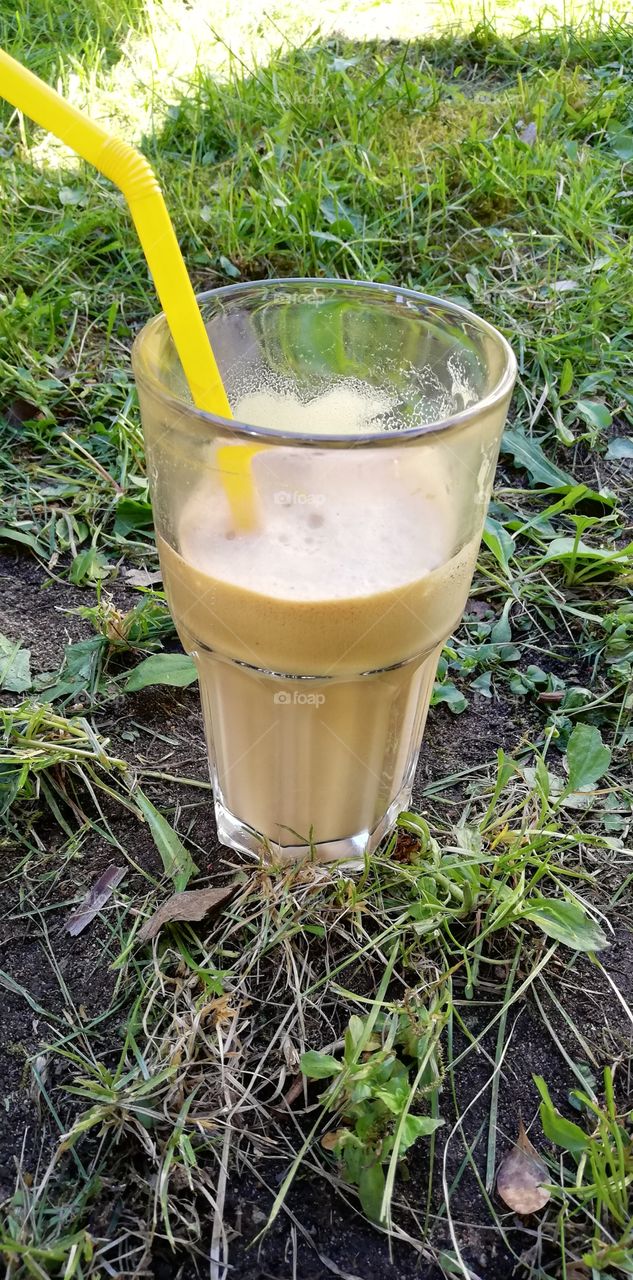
pixel 291 1055
pixel 20 410
pixel 220 1010
pixel 142 577
pixel 329 1140
pixel 192 905
pixel 95 900
pixel 520 1177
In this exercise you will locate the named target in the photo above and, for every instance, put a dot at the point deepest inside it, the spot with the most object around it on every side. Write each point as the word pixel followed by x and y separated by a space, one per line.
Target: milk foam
pixel 332 524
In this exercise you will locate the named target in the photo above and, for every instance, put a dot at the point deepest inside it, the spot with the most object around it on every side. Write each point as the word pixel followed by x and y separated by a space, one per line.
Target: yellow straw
pixel 132 174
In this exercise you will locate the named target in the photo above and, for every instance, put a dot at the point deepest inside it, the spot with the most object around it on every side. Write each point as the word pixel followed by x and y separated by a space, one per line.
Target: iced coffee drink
pixel 316 630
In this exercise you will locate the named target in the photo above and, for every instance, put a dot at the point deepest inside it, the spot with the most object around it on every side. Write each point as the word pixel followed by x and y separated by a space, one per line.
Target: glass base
pixel 350 849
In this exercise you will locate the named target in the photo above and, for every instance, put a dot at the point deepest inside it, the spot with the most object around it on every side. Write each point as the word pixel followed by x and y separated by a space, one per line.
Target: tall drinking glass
pixel 317 550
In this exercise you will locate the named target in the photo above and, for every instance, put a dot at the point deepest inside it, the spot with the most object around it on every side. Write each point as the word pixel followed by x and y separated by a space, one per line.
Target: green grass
pixel 287 150
pixel 340 160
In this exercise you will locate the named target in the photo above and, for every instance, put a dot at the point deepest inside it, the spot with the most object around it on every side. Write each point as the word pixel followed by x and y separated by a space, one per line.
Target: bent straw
pixel 134 177
pixel 234 462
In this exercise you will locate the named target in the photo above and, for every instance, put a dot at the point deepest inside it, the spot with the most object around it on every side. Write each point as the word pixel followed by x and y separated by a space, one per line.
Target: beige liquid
pixel 351 578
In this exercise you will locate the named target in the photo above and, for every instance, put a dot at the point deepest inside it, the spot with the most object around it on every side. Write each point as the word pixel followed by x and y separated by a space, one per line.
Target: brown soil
pixel 325 1237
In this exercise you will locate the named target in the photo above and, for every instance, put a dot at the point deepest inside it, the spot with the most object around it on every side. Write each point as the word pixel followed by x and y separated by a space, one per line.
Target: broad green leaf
pixel 567 548
pixel 71 195
pixel 566 922
pixel 587 757
pixel 19 535
pixel 132 514
pixel 497 539
pixel 391 1099
pixel 415 1127
pixel 176 669
pixel 356 1028
pixel 337 213
pixel 450 694
pixel 371 1188
pixel 621 141
pixel 360 1092
pixel 80 670
pixel 229 267
pixel 621 447
pixel 15 666
pixel 89 566
pixel 556 1127
pixel 353 1036
pixel 318 1066
pixel 594 413
pixel 354 1155
pixel 177 860
pixel 501 632
pixel 483 684
pixel 527 453
pixel 566 378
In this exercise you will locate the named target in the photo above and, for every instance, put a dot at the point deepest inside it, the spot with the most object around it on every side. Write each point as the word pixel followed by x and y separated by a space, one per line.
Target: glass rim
pixel 144 373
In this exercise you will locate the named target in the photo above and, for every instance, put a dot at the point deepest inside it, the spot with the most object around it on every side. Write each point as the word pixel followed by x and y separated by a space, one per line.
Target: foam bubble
pixel 331 524
pixel 348 406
